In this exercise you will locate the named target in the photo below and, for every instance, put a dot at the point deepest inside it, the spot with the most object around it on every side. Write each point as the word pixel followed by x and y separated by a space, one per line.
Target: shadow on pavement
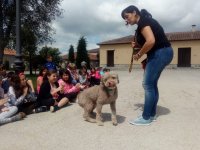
pixel 107 117
pixel 160 109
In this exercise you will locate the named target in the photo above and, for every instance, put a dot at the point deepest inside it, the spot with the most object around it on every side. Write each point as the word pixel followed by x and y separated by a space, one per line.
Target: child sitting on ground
pixel 8 113
pixel 70 91
pixel 51 94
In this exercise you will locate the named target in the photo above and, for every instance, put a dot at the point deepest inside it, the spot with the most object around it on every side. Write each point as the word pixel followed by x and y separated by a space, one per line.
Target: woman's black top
pixel 45 90
pixel 161 40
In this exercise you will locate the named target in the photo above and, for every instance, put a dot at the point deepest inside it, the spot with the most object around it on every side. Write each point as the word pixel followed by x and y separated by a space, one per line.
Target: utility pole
pixel 19 64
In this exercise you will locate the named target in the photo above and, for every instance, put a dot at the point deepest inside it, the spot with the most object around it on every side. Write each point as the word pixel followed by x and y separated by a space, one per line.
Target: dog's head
pixel 110 80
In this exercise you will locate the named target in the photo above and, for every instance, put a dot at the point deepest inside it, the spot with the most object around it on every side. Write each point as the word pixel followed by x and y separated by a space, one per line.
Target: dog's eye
pixel 113 77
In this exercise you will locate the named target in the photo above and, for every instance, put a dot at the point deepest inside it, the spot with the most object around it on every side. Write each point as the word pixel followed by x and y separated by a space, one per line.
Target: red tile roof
pixel 8 51
pixel 92 56
pixel 174 36
pixel 122 40
pixel 96 50
pixel 183 36
pixel 91 53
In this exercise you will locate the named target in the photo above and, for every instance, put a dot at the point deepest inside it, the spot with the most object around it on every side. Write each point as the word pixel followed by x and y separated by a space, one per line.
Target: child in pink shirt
pixel 70 90
pixel 40 78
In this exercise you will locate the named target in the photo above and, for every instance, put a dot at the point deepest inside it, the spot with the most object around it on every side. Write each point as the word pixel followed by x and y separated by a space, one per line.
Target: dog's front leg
pixel 99 115
pixel 113 110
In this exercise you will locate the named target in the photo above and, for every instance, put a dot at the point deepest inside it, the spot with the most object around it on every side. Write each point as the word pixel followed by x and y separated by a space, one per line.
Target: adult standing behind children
pixel 150 35
pixel 50 65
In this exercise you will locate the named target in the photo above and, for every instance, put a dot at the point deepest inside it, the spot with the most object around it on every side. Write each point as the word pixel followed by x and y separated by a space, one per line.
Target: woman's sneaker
pixel 153 119
pixel 54 108
pixel 22 115
pixel 40 109
pixel 140 121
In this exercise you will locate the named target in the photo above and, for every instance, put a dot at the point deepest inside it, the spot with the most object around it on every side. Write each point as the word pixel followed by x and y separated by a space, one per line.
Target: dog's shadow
pixel 107 117
pixel 160 109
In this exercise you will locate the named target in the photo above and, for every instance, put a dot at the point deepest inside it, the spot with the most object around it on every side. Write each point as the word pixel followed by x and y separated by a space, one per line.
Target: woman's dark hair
pixel 84 67
pixel 41 71
pixel 145 13
pixel 49 73
pixel 15 82
pixel 66 71
pixel 10 74
pixel 132 8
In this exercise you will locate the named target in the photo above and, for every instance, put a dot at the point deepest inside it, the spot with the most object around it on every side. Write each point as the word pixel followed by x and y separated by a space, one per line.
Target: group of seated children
pixel 18 97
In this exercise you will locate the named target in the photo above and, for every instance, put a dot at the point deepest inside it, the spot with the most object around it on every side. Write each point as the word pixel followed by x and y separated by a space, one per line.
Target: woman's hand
pixel 3 101
pixel 4 109
pixel 78 85
pixel 61 88
pixel 133 44
pixel 137 56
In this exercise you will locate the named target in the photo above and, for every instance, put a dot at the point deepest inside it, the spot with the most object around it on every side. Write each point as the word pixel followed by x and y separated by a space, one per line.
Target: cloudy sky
pixel 100 20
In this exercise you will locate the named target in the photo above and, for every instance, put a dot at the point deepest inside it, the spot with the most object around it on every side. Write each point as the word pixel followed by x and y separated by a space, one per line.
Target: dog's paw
pixel 100 123
pixel 90 120
pixel 114 121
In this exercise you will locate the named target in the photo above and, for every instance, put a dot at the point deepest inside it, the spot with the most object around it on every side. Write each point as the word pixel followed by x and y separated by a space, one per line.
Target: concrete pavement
pixel 177 126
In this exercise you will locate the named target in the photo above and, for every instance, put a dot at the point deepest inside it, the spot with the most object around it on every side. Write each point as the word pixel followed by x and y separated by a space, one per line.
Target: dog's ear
pixel 104 78
pixel 117 78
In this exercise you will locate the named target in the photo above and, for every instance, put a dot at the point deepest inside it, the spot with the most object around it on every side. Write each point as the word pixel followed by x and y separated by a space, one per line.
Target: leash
pixel 131 64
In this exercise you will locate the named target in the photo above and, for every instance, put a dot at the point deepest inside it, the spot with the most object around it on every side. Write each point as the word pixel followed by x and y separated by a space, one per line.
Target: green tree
pixel 54 52
pixel 36 14
pixel 29 42
pixel 7 64
pixel 82 54
pixel 38 61
pixel 71 57
pixel 7 21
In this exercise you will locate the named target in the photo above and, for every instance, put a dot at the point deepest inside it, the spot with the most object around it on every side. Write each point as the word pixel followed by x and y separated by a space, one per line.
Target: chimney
pixel 193 28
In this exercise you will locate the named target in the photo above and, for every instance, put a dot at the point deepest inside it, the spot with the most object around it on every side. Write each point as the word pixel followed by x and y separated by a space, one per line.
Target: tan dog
pixel 99 95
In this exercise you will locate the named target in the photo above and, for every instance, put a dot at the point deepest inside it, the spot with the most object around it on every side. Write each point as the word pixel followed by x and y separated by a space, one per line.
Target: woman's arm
pixel 12 97
pixel 30 83
pixel 58 89
pixel 3 101
pixel 149 42
pixel 73 89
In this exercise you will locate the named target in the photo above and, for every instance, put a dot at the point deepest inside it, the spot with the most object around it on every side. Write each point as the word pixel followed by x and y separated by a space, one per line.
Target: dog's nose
pixel 111 83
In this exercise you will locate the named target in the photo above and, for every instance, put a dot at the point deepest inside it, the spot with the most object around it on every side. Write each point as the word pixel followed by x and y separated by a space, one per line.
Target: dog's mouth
pixel 111 85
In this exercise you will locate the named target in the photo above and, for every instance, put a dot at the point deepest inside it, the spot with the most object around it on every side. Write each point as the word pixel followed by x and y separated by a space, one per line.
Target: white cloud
pixel 101 20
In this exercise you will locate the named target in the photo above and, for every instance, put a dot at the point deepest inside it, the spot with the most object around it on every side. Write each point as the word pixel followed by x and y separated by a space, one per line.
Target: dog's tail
pixel 80 100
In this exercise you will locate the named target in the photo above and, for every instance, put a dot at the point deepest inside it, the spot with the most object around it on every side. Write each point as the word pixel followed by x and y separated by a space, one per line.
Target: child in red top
pixel 94 77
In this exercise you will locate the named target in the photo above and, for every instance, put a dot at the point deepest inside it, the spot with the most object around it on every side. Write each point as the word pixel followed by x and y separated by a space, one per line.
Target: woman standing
pixel 150 35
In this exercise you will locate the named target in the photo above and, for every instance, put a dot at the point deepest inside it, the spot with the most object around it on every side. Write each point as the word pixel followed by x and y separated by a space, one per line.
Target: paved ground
pixel 177 127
